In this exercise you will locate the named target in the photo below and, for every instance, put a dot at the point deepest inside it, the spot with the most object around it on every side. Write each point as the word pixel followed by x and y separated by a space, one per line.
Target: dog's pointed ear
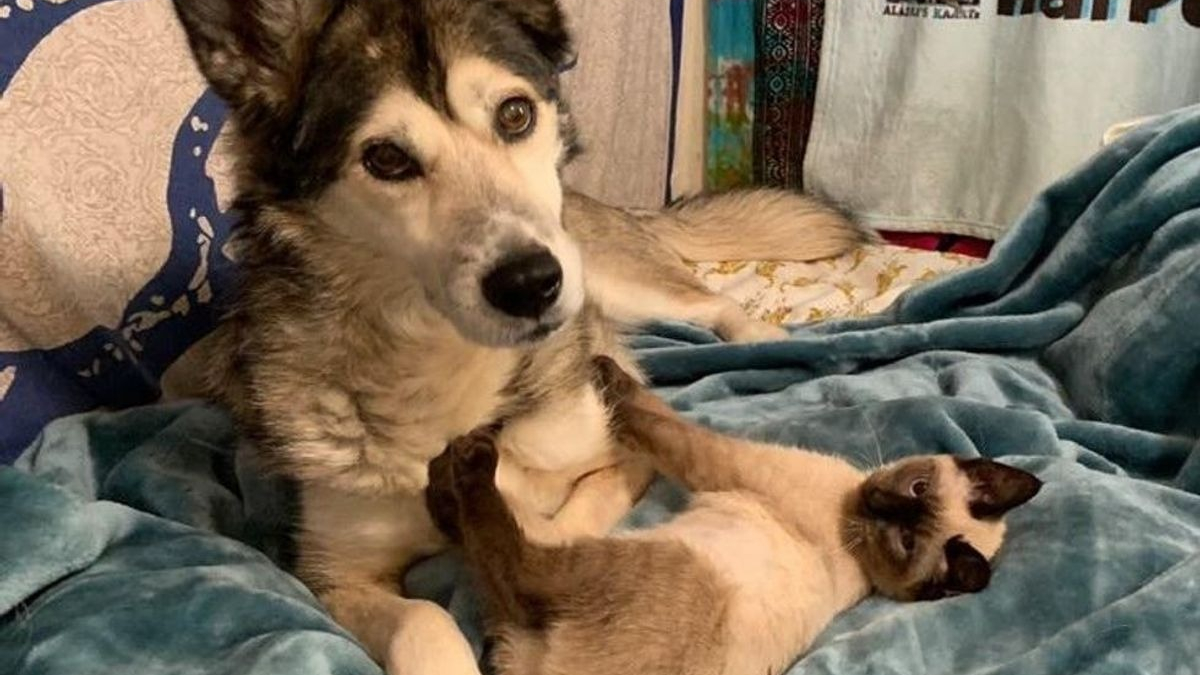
pixel 254 52
pixel 997 488
pixel 546 24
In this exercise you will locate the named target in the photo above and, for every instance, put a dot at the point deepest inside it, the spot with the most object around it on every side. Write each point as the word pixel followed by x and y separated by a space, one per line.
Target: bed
pixel 135 537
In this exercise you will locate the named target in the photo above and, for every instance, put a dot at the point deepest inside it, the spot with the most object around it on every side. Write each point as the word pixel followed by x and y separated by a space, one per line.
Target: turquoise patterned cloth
pixel 730 115
pixel 1072 352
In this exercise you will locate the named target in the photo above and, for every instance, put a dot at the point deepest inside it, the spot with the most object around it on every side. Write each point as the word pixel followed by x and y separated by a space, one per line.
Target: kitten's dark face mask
pixel 917 526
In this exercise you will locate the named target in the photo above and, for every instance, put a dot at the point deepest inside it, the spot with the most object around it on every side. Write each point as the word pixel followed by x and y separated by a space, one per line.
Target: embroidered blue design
pixel 122 366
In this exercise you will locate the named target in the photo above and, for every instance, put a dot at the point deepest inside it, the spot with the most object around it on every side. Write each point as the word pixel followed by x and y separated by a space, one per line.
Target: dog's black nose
pixel 524 285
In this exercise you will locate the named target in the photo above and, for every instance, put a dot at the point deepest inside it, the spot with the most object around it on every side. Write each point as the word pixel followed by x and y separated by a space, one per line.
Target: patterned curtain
pixel 789 58
pixel 763 61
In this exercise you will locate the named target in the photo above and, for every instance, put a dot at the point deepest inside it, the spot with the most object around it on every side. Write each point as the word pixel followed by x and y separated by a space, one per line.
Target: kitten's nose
pixel 875 502
pixel 524 285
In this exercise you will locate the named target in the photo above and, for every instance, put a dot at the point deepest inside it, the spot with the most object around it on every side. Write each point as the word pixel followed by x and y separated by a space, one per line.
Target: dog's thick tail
pixel 757 224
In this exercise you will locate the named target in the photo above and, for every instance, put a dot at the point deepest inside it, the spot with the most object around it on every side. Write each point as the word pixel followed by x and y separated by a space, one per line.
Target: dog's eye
pixel 515 118
pixel 918 487
pixel 388 161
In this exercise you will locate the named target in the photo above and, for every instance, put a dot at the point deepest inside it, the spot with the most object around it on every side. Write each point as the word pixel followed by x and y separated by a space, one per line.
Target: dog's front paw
pixel 429 643
pixel 749 330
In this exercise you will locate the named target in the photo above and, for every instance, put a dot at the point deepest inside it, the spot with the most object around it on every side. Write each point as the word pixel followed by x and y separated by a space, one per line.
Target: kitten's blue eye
pixel 918 487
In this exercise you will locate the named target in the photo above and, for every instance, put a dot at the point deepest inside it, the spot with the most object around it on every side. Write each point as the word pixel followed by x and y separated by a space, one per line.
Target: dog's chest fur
pixel 365 451
pixel 353 403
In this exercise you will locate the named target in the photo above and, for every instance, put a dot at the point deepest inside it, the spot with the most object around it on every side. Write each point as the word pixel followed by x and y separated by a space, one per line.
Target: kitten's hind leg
pixel 700 458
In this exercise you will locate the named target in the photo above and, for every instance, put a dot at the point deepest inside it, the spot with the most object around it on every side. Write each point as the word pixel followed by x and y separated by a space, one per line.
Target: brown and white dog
pixel 413 269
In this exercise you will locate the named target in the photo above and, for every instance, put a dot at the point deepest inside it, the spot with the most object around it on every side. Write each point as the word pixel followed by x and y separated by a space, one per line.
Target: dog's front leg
pixel 352 548
pixel 409 637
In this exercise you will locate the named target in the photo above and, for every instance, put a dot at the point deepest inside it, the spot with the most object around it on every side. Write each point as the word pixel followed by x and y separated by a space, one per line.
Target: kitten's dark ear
pixel 967 571
pixel 997 488
pixel 254 52
pixel 544 22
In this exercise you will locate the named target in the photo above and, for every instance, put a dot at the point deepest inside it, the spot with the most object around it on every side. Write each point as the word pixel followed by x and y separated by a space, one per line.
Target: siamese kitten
pixel 775 542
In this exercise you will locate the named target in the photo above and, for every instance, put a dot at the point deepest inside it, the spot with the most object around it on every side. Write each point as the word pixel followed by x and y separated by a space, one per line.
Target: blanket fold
pixel 118 556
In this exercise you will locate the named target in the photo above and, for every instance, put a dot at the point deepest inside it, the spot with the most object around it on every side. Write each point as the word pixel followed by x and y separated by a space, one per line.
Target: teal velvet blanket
pixel 1074 352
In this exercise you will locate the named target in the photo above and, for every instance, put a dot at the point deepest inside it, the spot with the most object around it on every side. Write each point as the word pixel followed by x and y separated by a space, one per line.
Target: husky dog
pixel 413 269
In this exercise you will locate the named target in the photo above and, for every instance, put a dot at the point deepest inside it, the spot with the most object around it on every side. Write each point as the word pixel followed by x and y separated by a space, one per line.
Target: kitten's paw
pixel 475 458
